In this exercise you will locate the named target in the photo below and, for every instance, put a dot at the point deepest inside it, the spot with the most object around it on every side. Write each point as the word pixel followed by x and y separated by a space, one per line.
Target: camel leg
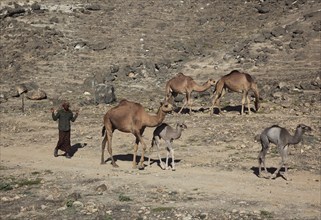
pixel 262 154
pixel 167 157
pixel 135 153
pixel 283 158
pixel 159 157
pixel 150 152
pixel 189 103
pixel 243 102
pixel 110 151
pixel 248 103
pixel 103 146
pixel 141 162
pixel 216 103
pixel 284 154
pixel 173 160
pixel 184 104
pixel 169 151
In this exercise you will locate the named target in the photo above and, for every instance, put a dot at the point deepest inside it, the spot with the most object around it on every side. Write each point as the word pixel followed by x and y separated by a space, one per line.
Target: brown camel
pixel 236 81
pixel 185 85
pixel 130 117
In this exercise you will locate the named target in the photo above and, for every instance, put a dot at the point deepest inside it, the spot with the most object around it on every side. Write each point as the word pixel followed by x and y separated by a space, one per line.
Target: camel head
pixel 304 127
pixel 166 107
pixel 182 125
pixel 211 82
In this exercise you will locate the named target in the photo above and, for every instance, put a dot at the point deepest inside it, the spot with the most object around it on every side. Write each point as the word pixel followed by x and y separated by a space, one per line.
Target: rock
pixel 36 95
pixel 101 188
pixel 282 85
pixel 278 95
pixel 278 31
pixel 35 6
pixel 263 9
pixel 104 94
pixel 93 7
pixel 21 88
pixel 3 98
pixel 74 196
pixel 77 204
pixel 98 46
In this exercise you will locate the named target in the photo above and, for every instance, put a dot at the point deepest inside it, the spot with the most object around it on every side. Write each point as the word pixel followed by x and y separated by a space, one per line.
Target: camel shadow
pixel 170 160
pixel 186 110
pixel 129 158
pixel 270 170
pixel 236 108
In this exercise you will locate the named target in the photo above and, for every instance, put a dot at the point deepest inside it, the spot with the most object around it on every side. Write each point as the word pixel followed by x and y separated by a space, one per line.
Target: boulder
pixel 104 94
pixel 36 94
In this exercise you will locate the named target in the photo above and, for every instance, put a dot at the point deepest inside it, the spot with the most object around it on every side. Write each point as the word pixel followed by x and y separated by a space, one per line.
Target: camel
pixel 168 134
pixel 130 117
pixel 236 81
pixel 282 139
pixel 185 85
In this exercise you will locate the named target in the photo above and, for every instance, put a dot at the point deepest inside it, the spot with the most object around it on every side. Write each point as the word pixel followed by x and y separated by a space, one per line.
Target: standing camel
pixel 282 139
pixel 236 81
pixel 185 85
pixel 168 134
pixel 130 117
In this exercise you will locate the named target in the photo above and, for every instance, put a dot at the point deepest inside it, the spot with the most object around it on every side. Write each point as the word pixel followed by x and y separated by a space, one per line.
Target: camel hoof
pixel 102 162
pixel 115 165
pixel 273 177
pixel 173 169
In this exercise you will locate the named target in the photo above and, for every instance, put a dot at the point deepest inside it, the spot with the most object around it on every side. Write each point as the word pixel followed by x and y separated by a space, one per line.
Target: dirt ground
pixel 216 177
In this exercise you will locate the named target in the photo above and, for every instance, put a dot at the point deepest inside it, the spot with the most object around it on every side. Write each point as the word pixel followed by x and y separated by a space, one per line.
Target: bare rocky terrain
pixel 64 49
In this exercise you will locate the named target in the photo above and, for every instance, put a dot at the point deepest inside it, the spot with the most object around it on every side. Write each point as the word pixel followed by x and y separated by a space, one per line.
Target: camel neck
pixel 157 119
pixel 202 88
pixel 297 136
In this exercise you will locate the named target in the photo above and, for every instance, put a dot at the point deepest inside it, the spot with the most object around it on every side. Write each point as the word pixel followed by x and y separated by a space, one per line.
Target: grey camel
pixel 168 134
pixel 282 139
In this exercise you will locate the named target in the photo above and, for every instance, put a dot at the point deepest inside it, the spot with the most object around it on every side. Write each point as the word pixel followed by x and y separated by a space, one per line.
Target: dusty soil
pixel 56 45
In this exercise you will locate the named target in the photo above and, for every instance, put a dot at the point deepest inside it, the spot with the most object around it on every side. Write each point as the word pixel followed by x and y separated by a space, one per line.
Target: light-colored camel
pixel 185 85
pixel 236 81
pixel 282 139
pixel 168 134
pixel 130 117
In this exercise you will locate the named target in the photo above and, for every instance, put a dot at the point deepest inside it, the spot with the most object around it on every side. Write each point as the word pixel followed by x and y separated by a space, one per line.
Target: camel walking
pixel 183 84
pixel 282 139
pixel 130 117
pixel 168 134
pixel 236 81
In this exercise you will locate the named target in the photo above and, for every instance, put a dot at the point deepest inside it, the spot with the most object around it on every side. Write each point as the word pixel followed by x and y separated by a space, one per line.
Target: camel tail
pixel 257 96
pixel 103 131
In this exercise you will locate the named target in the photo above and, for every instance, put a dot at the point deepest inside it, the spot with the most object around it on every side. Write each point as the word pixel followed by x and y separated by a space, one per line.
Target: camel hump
pixel 180 74
pixel 234 71
pixel 123 101
pixel 249 77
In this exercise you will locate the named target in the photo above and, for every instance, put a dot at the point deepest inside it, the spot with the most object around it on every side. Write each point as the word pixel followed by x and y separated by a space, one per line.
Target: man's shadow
pixel 74 148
